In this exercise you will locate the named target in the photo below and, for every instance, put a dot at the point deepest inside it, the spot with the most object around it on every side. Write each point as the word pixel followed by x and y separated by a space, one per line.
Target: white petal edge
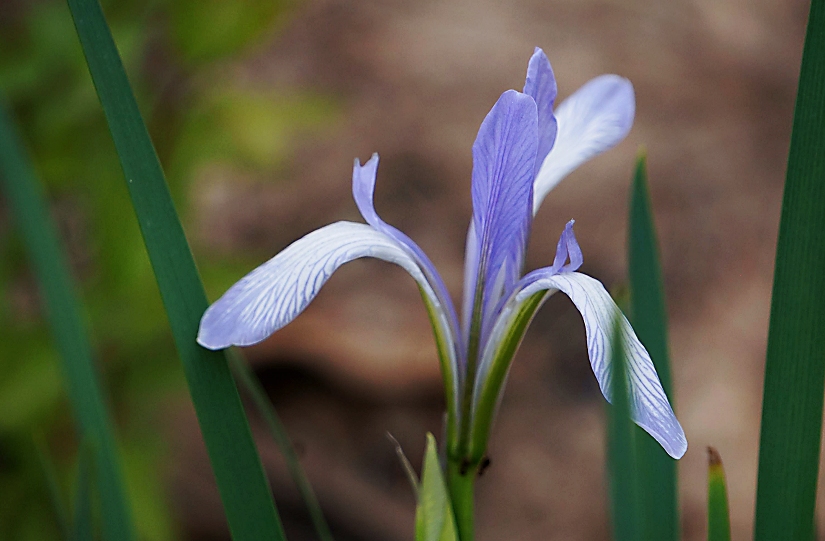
pixel 650 408
pixel 593 119
pixel 276 292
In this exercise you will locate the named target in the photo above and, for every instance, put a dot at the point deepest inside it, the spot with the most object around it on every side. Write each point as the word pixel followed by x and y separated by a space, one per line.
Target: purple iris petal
pixel 650 408
pixel 363 190
pixel 593 119
pixel 275 293
pixel 504 156
pixel 567 249
pixel 541 86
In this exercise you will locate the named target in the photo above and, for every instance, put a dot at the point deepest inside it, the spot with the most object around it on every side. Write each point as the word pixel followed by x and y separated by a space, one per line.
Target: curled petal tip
pixel 667 432
pixel 207 341
pixel 568 249
pixel 676 448
pixel 681 451
pixel 538 52
pixel 372 161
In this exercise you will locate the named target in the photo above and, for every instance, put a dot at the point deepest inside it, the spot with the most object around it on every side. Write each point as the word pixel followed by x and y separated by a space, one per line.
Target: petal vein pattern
pixel 504 156
pixel 275 293
pixel 593 119
pixel 649 404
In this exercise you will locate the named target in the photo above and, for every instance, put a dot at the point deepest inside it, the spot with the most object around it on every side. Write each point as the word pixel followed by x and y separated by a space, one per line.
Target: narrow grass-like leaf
pixel 657 471
pixel 63 310
pixel 795 365
pixel 621 456
pixel 82 528
pixel 434 517
pixel 405 464
pixel 276 428
pixel 718 515
pixel 53 485
pixel 244 489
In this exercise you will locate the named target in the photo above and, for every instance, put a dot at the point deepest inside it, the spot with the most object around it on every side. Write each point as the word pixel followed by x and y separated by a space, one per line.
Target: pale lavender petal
pixel 504 156
pixel 363 190
pixel 595 118
pixel 650 408
pixel 275 293
pixel 541 86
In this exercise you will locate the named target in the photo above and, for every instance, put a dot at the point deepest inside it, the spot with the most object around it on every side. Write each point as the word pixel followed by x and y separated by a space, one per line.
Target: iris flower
pixel 523 149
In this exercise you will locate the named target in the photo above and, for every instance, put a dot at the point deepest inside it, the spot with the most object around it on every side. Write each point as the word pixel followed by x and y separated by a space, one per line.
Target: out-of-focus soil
pixel 715 85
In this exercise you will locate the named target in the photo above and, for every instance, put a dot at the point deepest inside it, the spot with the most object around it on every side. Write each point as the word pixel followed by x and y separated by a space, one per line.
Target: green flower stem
pixel 461 480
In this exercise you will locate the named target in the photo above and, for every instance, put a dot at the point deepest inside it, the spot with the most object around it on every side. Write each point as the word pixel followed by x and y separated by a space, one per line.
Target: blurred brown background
pixel 715 83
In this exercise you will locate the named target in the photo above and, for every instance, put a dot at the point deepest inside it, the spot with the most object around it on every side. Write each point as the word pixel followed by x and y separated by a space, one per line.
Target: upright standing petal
pixel 541 86
pixel 504 156
pixel 596 117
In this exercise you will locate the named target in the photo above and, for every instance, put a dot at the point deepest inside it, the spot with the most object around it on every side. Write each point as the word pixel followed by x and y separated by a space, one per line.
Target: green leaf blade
pixel 276 428
pixel 626 512
pixel 244 489
pixel 49 470
pixel 657 471
pixel 434 517
pixel 70 335
pixel 718 514
pixel 82 524
pixel 795 364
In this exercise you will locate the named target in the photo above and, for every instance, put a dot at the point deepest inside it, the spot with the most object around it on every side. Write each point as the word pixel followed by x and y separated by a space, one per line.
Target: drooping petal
pixel 504 156
pixel 593 119
pixel 275 293
pixel 650 408
pixel 541 86
pixel 363 190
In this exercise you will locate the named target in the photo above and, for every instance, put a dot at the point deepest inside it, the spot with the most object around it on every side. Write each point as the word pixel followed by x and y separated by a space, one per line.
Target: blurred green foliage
pixel 180 56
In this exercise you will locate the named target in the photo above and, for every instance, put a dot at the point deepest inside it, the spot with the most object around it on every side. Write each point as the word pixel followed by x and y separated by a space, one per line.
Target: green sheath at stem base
pixel 461 480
